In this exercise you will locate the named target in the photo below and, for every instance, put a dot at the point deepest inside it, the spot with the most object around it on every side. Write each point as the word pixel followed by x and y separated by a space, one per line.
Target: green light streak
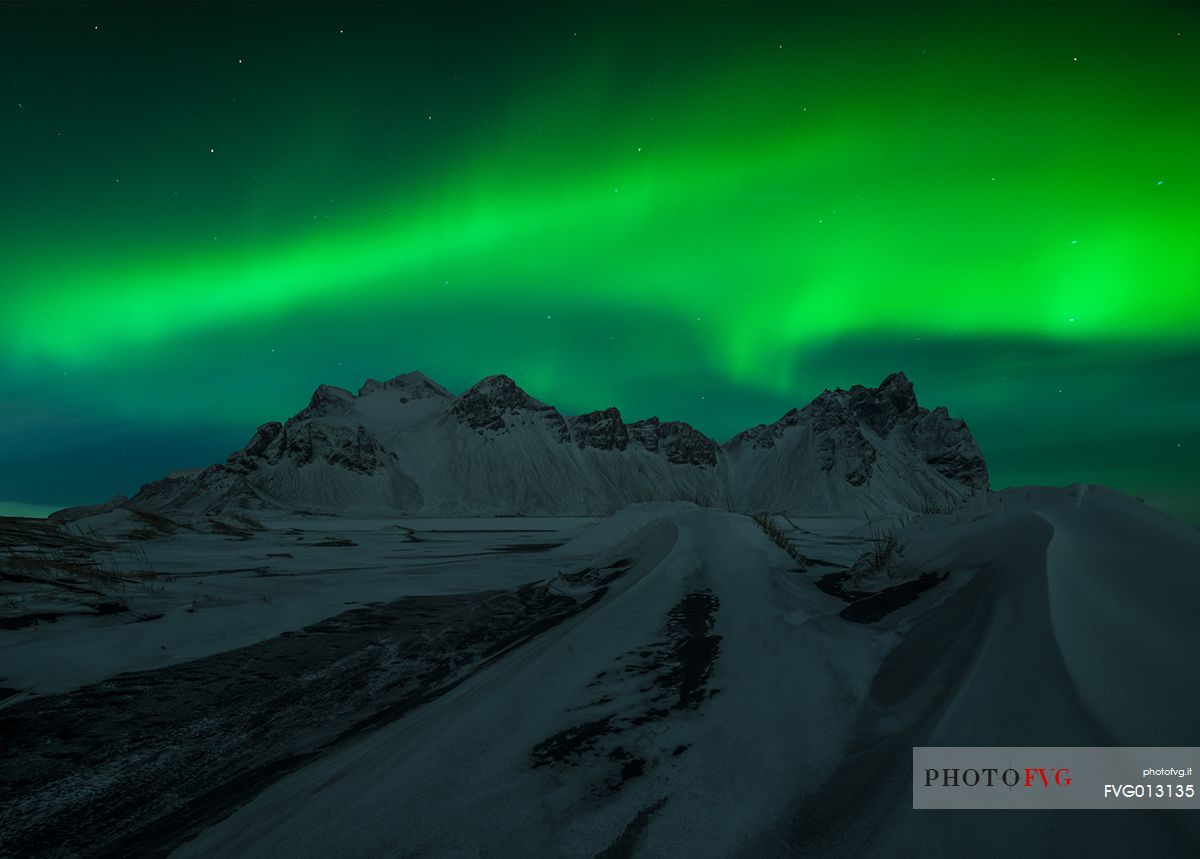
pixel 793 228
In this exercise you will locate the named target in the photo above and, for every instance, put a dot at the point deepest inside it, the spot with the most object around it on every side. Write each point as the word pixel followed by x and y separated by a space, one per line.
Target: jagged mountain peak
pixel 502 389
pixel 414 385
pixel 494 402
pixel 603 429
pixel 680 442
pixel 879 441
pixel 881 407
pixel 895 381
pixel 326 400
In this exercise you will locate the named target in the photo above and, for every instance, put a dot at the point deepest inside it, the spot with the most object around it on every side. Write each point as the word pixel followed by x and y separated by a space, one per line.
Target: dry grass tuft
pixel 48 568
pixel 777 536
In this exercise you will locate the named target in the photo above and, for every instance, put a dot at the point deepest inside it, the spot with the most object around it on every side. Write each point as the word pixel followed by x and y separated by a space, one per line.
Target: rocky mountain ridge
pixel 408 445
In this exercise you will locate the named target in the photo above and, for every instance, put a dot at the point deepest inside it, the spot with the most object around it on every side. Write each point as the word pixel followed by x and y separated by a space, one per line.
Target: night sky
pixel 708 213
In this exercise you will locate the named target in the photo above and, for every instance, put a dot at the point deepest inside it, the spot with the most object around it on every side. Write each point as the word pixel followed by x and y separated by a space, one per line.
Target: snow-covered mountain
pixel 863 449
pixel 409 445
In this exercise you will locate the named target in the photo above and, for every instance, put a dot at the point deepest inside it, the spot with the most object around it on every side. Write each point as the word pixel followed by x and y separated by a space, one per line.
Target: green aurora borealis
pixel 706 212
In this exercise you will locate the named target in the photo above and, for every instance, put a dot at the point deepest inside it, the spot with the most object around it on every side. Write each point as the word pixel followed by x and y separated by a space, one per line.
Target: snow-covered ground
pixel 540 755
pixel 702 693
pixel 214 592
pixel 798 699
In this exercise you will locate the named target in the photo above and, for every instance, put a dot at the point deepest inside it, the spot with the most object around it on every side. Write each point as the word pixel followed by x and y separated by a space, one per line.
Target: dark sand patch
pixel 873 606
pixel 650 684
pixel 523 548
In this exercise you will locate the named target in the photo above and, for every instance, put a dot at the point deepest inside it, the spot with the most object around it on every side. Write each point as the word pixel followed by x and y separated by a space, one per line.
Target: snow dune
pixel 1124 592
pixel 1044 645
